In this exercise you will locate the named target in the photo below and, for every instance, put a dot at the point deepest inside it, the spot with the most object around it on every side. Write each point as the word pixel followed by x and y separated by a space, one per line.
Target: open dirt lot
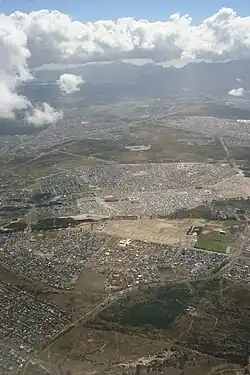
pixel 159 230
pixel 170 232
pixel 83 350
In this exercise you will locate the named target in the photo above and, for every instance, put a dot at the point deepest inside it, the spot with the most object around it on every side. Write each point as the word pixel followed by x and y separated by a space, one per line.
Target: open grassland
pixel 166 145
pixel 211 317
pixel 214 242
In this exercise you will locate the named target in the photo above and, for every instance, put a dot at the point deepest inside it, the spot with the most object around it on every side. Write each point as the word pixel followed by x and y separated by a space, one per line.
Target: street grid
pixel 56 258
pixel 26 322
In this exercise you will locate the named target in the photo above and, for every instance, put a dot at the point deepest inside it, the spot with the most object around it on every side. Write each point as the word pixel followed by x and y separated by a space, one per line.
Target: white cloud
pixel 43 115
pixel 236 92
pixel 54 37
pixel 50 37
pixel 11 102
pixel 13 67
pixel 69 83
pixel 14 70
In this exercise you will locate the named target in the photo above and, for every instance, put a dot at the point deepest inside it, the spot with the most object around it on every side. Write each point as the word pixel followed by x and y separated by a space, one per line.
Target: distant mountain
pixel 195 76
pixel 117 80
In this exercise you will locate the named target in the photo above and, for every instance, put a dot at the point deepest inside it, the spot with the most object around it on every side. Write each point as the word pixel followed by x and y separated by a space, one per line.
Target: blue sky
pixel 87 10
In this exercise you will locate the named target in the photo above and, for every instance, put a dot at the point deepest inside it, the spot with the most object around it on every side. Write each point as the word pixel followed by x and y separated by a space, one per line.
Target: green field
pixel 214 241
pixel 34 189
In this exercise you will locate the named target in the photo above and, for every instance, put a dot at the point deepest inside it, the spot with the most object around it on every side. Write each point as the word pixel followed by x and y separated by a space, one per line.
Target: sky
pixel 89 10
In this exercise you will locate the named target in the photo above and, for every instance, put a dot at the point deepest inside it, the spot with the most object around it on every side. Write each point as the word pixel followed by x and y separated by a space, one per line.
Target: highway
pixel 229 157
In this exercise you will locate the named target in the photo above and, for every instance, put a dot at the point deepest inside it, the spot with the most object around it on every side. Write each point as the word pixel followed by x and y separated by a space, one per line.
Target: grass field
pixel 34 189
pixel 215 241
pixel 167 144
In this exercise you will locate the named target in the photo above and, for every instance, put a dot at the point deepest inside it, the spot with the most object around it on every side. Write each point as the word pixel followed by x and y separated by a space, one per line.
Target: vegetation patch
pixel 215 241
pixel 34 189
pixel 210 316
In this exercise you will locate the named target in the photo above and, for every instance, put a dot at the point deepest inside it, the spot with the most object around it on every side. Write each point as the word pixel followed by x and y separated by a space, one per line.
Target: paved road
pixel 237 247
pixel 229 156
